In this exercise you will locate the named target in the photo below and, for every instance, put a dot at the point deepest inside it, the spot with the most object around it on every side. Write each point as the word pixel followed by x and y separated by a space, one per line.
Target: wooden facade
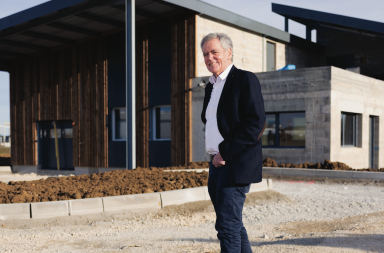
pixel 142 109
pixel 182 69
pixel 67 83
pixel 71 83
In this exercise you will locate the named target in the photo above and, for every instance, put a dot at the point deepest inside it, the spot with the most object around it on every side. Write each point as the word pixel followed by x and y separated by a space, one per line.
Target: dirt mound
pixel 191 165
pixel 112 183
pixel 327 165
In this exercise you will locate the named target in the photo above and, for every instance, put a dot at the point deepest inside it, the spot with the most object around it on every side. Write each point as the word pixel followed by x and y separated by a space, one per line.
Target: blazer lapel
pixel 227 85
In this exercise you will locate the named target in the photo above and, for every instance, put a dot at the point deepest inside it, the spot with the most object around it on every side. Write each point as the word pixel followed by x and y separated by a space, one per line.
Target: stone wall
pixel 300 90
pixel 355 93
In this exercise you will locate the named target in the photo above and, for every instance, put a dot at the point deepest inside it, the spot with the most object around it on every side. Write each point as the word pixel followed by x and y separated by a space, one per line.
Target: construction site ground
pixel 299 215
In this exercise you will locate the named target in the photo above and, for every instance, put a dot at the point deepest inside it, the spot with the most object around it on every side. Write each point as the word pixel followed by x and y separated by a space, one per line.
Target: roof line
pixel 296 13
pixel 230 17
pixel 36 12
pixel 225 16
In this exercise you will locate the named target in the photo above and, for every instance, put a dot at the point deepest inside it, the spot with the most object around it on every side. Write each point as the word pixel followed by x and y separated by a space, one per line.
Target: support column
pixel 308 33
pixel 286 24
pixel 130 83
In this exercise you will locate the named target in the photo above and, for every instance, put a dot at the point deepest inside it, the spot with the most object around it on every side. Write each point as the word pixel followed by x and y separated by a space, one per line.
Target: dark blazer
pixel 241 122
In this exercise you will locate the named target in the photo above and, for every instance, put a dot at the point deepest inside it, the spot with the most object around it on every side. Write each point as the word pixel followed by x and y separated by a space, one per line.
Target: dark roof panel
pixel 36 12
pixel 307 17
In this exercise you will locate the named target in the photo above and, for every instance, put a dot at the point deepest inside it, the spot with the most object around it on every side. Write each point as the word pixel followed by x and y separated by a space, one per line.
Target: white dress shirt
pixel 212 135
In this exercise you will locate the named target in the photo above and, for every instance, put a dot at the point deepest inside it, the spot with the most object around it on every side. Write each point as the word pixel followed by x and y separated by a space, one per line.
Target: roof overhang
pixel 315 19
pixel 224 16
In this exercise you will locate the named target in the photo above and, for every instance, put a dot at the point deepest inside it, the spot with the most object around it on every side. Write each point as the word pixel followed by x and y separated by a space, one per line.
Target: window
pixel 119 124
pixel 161 123
pixel 284 130
pixel 271 56
pixel 350 129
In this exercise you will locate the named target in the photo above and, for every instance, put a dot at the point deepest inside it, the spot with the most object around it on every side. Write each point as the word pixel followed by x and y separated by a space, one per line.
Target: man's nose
pixel 210 56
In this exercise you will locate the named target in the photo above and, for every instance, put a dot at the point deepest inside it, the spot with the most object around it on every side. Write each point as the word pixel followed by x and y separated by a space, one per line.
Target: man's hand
pixel 218 160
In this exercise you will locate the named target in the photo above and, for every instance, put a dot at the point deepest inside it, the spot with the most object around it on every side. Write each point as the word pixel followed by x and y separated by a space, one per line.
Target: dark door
pixel 373 142
pixel 47 148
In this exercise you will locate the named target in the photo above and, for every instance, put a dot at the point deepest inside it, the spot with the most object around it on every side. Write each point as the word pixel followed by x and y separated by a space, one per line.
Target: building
pixel 70 68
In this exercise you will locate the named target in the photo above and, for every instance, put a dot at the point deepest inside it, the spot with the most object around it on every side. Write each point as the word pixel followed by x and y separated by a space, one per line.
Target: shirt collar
pixel 222 76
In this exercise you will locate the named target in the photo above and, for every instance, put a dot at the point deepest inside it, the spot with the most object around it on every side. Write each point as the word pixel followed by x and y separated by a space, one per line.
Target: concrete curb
pixel 15 211
pixel 136 201
pixel 178 197
pixel 85 206
pixel 324 173
pixel 115 203
pixel 262 186
pixel 49 209
pixel 5 170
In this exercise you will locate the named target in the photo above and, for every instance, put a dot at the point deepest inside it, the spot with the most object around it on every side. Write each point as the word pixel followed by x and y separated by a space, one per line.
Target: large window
pixel 284 130
pixel 161 123
pixel 350 126
pixel 119 124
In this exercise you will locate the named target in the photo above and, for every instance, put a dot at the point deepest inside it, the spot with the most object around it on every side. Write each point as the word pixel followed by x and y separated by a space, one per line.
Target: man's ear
pixel 229 53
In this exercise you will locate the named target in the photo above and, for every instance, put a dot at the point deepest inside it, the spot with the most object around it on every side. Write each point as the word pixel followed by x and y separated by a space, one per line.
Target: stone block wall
pixel 355 93
pixel 300 90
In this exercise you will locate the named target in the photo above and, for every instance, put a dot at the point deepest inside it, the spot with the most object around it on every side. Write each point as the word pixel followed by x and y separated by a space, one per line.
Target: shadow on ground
pixel 371 243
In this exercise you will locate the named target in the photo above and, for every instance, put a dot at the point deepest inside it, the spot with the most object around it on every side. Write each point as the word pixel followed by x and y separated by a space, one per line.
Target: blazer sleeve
pixel 207 97
pixel 252 122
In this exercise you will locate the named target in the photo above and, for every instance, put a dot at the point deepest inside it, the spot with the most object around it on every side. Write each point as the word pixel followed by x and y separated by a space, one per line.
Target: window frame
pixel 274 56
pixel 277 135
pixel 113 117
pixel 152 130
pixel 354 129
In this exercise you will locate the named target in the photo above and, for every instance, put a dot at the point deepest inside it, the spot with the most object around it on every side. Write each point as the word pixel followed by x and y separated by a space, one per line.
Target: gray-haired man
pixel 233 112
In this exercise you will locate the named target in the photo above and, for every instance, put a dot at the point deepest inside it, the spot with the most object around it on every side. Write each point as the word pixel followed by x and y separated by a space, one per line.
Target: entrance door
pixel 47 147
pixel 373 142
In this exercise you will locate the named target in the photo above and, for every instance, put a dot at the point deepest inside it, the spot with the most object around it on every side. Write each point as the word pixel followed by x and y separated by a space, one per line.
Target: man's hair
pixel 224 39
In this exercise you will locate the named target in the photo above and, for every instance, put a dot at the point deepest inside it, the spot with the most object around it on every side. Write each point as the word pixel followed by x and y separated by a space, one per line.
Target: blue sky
pixel 259 10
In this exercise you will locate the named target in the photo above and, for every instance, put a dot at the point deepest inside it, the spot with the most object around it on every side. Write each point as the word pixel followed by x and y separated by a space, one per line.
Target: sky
pixel 259 10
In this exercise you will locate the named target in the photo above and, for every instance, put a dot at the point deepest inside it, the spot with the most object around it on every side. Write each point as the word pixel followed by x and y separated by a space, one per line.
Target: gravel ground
pixel 297 216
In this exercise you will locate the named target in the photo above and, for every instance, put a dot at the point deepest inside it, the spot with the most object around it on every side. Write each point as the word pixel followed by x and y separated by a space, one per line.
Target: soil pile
pixel 327 165
pixel 112 183
pixel 191 165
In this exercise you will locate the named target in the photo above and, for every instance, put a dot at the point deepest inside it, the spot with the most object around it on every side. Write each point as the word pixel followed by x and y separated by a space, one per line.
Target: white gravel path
pixel 266 221
pixel 315 201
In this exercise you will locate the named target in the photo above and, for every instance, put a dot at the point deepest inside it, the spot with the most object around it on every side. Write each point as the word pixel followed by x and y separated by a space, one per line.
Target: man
pixel 234 115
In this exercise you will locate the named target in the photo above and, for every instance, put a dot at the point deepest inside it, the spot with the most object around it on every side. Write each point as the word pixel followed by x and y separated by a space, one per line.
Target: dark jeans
pixel 228 200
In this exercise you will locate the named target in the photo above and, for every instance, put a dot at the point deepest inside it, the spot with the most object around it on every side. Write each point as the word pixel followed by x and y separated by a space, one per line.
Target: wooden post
pixel 56 147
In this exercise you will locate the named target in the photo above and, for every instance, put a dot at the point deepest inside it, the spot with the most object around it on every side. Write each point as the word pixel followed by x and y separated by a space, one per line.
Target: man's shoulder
pixel 243 73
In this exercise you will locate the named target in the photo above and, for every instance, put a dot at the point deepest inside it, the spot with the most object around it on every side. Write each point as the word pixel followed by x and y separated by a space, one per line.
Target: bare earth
pixel 297 216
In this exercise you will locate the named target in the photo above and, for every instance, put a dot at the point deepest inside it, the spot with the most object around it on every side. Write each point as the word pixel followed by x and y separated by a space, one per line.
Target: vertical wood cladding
pixel 183 68
pixel 142 110
pixel 69 83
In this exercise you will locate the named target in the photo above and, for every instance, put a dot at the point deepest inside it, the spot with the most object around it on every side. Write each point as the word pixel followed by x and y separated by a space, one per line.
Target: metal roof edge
pixel 319 16
pixel 36 12
pixel 230 17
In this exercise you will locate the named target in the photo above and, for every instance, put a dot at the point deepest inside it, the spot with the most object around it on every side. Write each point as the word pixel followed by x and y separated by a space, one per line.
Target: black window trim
pixel 342 134
pixel 153 123
pixel 277 135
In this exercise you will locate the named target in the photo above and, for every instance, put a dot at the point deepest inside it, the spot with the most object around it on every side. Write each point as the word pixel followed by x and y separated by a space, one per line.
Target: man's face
pixel 215 57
